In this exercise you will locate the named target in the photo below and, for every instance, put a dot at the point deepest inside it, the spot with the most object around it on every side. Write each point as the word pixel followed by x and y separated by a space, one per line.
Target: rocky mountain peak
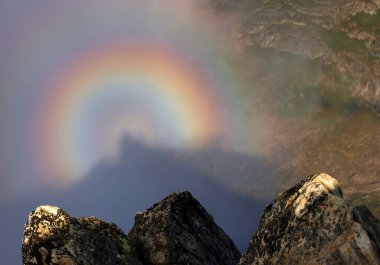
pixel 307 224
pixel 42 226
pixel 312 224
pixel 51 236
pixel 178 230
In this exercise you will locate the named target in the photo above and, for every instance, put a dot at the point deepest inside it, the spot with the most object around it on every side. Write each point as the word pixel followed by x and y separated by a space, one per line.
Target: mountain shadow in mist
pixel 115 191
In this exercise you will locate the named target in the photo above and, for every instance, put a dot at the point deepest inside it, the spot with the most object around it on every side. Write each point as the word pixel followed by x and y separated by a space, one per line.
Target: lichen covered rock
pixel 312 224
pixel 178 230
pixel 51 236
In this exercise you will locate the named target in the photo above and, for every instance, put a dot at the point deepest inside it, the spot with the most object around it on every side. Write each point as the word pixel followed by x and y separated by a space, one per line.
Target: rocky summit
pixel 51 236
pixel 312 224
pixel 177 230
pixel 307 224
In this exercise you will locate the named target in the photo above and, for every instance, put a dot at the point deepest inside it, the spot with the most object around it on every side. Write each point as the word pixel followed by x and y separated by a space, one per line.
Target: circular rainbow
pixel 78 77
pixel 147 91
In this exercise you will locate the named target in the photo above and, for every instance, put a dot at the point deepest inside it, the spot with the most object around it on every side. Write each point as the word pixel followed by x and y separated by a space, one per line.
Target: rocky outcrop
pixel 312 224
pixel 307 224
pixel 178 230
pixel 51 236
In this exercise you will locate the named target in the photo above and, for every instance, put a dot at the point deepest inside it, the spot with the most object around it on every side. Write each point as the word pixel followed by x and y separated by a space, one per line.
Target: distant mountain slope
pixel 315 73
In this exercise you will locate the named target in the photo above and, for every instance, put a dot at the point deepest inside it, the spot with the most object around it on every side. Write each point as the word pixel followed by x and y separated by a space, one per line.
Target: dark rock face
pixel 178 230
pixel 370 224
pixel 51 236
pixel 311 224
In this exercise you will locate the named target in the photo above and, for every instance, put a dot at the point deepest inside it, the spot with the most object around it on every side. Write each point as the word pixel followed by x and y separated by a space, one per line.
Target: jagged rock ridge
pixel 177 230
pixel 307 224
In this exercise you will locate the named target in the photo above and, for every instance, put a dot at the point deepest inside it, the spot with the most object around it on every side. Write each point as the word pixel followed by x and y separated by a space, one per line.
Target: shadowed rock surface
pixel 369 223
pixel 178 230
pixel 312 224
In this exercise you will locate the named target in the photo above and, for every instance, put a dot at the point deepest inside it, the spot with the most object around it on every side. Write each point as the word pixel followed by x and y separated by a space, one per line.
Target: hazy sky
pixel 107 107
